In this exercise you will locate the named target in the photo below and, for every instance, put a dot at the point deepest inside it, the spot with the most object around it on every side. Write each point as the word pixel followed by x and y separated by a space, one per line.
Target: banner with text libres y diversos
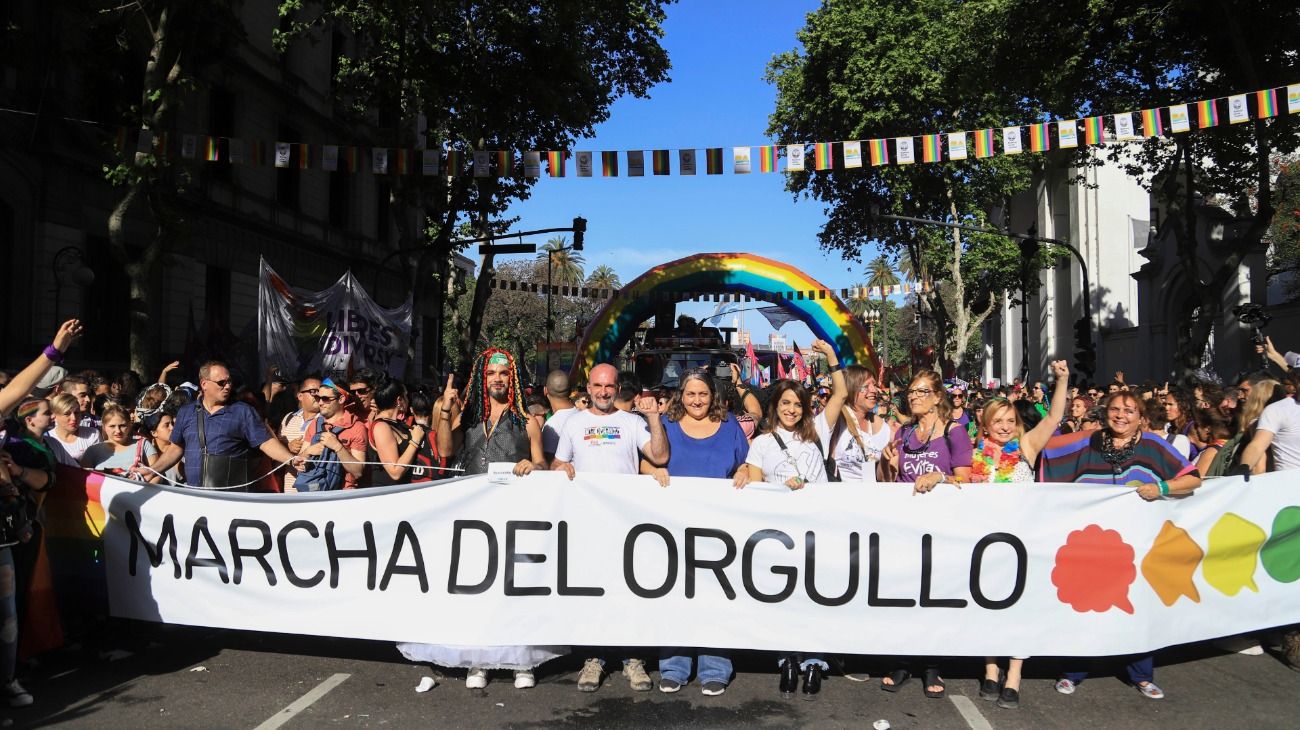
pixel 1045 569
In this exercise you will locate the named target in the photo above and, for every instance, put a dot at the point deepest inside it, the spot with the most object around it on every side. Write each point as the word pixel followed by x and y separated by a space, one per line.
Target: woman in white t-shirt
pixel 791 451
pixel 859 437
pixel 67 440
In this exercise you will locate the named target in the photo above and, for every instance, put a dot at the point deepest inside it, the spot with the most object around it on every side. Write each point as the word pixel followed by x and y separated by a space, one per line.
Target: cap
pixel 51 378
pixel 1293 359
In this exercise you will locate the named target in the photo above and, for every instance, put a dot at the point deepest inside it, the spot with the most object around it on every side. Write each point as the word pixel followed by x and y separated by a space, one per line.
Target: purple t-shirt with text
pixel 915 457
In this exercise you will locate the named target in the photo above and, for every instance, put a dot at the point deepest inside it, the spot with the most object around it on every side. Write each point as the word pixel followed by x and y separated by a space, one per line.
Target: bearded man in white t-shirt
pixel 604 439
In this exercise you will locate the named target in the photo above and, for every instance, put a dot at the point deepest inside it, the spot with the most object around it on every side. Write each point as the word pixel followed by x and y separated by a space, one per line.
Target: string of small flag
pixel 585 292
pixel 826 156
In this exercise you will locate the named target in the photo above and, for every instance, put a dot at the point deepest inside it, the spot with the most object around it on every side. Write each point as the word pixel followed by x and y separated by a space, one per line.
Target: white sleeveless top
pixel 854 465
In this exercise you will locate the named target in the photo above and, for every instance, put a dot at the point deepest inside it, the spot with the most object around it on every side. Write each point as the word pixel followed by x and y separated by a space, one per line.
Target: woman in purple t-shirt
pixel 928 451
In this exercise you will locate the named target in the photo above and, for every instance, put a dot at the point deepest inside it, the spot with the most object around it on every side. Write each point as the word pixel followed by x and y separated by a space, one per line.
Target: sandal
pixel 899 678
pixel 932 679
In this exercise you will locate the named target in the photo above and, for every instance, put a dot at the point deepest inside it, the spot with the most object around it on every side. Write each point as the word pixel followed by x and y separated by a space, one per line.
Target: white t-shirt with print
pixel 803 458
pixel 70 454
pixel 854 465
pixel 1282 419
pixel 604 444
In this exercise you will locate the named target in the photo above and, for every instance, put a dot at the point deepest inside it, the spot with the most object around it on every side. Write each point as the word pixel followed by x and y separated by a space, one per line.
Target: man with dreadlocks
pixel 493 427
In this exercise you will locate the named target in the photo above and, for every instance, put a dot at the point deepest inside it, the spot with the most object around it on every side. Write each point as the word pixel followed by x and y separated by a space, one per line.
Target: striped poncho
pixel 1077 457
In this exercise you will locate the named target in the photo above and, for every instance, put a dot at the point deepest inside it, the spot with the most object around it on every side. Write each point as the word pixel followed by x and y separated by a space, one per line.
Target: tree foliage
pixel 506 74
pixel 879 70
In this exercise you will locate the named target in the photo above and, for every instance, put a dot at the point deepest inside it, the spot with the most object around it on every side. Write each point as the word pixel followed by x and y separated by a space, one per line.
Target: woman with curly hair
pixel 704 440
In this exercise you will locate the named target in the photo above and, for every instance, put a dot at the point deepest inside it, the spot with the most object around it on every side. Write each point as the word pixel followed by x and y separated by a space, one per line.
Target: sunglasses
pixel 310 391
pixel 220 383
pixel 325 398
pixel 361 391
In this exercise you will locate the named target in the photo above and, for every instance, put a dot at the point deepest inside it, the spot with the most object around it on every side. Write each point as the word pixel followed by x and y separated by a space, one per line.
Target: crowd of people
pixel 325 433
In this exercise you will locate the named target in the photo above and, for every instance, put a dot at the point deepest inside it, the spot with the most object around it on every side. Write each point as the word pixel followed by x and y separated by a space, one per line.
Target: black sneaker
pixel 668 686
pixel 1009 699
pixel 713 689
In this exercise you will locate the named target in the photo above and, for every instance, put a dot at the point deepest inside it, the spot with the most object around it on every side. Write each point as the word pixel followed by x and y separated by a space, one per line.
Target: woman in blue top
pixel 703 441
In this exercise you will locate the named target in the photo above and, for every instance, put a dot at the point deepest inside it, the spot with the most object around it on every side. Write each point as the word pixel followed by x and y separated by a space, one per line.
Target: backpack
pixel 1225 459
pixel 322 473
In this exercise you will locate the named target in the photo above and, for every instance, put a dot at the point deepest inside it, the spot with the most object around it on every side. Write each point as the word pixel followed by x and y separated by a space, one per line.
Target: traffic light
pixel 579 228
pixel 1085 357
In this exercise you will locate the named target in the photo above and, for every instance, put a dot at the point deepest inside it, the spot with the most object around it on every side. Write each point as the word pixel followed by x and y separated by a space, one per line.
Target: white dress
pixel 487 657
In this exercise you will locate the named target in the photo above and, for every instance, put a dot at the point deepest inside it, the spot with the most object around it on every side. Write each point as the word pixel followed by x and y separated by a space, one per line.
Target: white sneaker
pixel 476 678
pixel 1065 686
pixel 524 679
pixel 17 696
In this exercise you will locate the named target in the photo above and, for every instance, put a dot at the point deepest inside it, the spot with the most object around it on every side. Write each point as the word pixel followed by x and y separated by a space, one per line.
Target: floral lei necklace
pixel 993 464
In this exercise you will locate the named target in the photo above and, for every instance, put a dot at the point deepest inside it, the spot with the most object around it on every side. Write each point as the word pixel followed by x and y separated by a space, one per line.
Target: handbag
pixel 218 471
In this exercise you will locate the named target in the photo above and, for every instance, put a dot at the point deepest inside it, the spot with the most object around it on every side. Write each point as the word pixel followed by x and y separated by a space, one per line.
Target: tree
pixel 603 277
pixel 173 40
pixel 1284 232
pixel 565 263
pixel 471 74
pixel 1091 57
pixel 923 69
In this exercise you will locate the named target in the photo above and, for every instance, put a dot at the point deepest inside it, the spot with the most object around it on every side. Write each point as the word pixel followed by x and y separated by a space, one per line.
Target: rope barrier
pixel 278 467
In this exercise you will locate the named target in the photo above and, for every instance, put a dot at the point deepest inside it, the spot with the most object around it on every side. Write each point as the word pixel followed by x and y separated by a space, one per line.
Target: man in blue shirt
pixel 230 428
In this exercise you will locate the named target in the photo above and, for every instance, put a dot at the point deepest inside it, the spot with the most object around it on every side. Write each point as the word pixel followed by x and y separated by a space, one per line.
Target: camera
pixel 1254 317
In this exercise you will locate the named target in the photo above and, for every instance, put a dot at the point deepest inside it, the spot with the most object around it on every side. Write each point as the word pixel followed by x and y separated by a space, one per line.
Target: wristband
pixel 1164 488
pixel 835 368
pixel 53 354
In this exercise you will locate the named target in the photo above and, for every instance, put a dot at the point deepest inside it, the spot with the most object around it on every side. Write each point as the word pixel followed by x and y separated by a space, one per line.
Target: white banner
pixel 1047 569
pixel 333 332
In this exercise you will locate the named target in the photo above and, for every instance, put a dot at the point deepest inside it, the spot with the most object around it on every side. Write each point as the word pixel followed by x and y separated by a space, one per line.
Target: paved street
pixel 247 679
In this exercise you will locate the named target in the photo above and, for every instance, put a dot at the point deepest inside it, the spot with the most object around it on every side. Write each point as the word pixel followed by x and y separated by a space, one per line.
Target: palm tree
pixel 566 264
pixel 905 268
pixel 603 277
pixel 881 274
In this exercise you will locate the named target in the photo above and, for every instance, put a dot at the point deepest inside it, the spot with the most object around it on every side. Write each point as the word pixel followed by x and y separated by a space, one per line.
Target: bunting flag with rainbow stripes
pixel 1043 136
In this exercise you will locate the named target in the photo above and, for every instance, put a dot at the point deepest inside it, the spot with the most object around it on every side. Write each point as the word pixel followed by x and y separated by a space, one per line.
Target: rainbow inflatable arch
pixel 739 273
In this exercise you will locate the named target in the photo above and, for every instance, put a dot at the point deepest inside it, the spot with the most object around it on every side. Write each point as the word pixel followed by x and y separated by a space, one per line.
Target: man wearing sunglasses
pixel 293 425
pixel 344 433
pixel 362 386
pixel 230 429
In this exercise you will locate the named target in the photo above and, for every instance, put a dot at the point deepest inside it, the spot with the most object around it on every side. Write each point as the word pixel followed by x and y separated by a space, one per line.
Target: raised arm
pixel 657 450
pixel 22 383
pixel 1033 442
pixel 839 389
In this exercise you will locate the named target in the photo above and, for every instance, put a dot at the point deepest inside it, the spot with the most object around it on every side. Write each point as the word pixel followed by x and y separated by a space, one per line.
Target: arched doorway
pixel 732 273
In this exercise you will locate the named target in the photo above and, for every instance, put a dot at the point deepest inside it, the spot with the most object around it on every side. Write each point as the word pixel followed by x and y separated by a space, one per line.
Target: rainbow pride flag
pixel 931 148
pixel 1207 114
pixel 659 162
pixel 304 156
pixel 713 161
pixel 455 161
pixel 555 163
pixel 609 164
pixel 822 157
pixel 984 143
pixel 1039 140
pixel 767 158
pixel 1093 132
pixel 211 150
pixel 1266 103
pixel 504 166
pixel 1151 126
pixel 879 151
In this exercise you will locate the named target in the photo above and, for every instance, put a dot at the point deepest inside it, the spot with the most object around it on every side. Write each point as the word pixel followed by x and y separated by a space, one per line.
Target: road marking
pixel 303 702
pixel 61 674
pixel 970 713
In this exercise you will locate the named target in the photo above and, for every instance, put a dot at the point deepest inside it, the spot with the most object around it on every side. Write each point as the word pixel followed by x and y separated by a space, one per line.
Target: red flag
pixel 755 373
pixel 780 368
pixel 800 365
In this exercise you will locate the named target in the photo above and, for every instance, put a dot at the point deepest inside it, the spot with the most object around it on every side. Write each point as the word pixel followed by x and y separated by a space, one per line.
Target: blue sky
pixel 716 98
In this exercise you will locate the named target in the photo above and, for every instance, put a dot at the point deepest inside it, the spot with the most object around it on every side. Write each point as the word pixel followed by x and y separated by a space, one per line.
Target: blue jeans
pixel 1142 669
pixel 675 664
pixel 8 616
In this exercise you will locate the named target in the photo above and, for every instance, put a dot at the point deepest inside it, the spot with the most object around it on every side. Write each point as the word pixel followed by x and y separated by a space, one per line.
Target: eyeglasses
pixel 361 391
pixel 325 398
pixel 220 383
pixel 310 391
pixel 920 391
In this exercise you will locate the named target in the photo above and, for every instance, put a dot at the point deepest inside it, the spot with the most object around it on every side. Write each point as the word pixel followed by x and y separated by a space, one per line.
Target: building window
pixel 221 125
pixel 288 180
pixel 216 295
pixel 340 201
pixel 383 227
